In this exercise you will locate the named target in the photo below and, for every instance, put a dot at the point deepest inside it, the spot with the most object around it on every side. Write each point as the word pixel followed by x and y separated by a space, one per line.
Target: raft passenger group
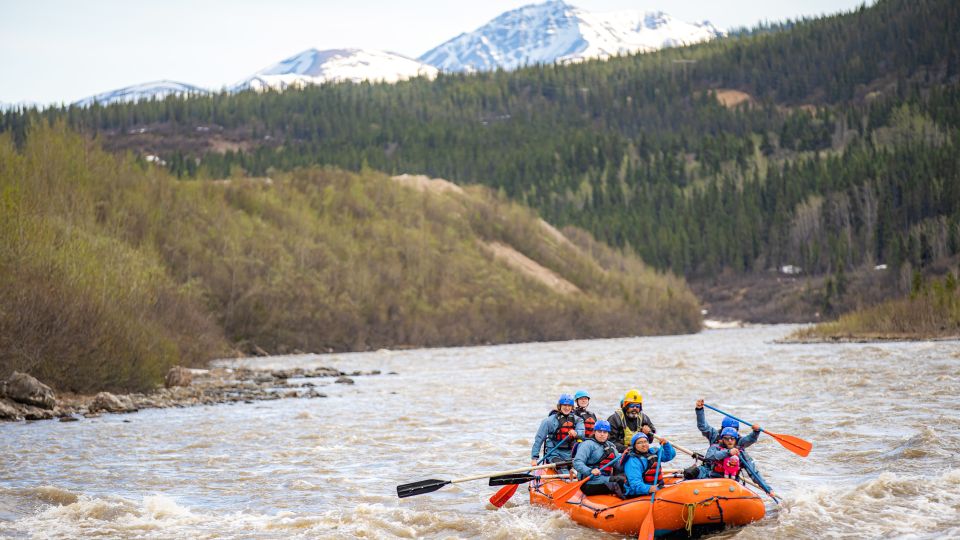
pixel 623 441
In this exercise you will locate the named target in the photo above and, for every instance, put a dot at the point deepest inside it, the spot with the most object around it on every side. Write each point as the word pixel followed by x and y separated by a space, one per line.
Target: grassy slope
pixel 930 312
pixel 113 272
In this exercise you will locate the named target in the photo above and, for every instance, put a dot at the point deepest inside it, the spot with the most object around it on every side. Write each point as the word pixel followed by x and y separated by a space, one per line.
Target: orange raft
pixel 694 505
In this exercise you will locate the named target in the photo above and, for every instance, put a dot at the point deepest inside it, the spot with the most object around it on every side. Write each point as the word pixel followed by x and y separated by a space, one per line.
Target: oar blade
pixel 503 495
pixel 419 488
pixel 794 444
pixel 647 529
pixel 508 479
pixel 563 494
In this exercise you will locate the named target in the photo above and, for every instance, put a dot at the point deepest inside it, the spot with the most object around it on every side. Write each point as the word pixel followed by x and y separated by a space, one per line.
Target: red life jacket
pixel 609 453
pixel 566 424
pixel 589 420
pixel 650 475
pixel 718 465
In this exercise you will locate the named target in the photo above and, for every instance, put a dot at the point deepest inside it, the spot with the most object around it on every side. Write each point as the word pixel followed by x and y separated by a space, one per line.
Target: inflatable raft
pixel 694 505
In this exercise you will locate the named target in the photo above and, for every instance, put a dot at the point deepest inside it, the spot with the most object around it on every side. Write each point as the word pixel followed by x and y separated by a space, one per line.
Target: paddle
pixel 510 479
pixel 428 486
pixel 503 494
pixel 697 455
pixel 794 444
pixel 522 478
pixel 647 528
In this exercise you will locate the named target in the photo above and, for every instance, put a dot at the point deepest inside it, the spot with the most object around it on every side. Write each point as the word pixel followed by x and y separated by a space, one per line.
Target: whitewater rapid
pixel 884 419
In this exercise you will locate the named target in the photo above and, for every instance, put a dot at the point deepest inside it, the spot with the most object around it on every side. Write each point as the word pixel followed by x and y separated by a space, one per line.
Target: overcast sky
pixel 63 50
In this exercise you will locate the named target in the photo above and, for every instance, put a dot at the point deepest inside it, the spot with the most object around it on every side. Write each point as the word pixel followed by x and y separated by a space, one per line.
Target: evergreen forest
pixel 827 144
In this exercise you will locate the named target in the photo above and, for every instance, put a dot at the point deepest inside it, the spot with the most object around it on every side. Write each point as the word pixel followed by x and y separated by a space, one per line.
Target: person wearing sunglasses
pixel 629 420
pixel 715 462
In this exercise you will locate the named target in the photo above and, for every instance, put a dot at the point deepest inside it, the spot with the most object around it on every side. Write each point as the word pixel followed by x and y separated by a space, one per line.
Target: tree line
pixel 842 157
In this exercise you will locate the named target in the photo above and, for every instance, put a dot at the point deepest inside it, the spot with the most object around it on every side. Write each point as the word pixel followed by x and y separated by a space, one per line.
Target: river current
pixel 884 420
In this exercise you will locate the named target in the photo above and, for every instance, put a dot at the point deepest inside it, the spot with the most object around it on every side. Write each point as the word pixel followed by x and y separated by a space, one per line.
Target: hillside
pixel 114 270
pixel 827 145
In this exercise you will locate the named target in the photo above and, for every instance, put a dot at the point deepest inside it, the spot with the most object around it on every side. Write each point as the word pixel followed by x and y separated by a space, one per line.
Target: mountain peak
pixel 145 91
pixel 314 66
pixel 555 31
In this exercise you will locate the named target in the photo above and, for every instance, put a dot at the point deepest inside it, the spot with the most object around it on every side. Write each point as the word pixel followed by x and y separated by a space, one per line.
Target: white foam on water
pixel 887 506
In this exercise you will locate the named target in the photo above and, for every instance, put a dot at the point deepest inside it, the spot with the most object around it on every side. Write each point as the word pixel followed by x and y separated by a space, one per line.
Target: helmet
pixel 729 432
pixel 601 425
pixel 633 396
pixel 637 436
pixel 580 394
pixel 729 422
pixel 565 399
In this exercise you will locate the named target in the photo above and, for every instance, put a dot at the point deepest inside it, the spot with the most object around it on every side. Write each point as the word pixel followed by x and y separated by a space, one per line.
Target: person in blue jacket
pixel 640 465
pixel 591 457
pixel 712 435
pixel 730 444
pixel 557 433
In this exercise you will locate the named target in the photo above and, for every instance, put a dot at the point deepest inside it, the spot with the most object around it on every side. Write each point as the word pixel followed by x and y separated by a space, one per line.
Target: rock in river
pixel 105 401
pixel 25 389
pixel 178 376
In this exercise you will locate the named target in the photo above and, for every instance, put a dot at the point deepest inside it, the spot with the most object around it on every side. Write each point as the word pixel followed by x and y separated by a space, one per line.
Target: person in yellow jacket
pixel 628 420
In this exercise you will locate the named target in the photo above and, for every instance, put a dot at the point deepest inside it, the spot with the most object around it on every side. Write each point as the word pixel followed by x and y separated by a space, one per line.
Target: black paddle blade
pixel 421 487
pixel 509 479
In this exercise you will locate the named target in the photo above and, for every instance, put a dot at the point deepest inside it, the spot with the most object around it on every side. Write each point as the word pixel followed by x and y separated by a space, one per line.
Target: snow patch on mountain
pixel 336 65
pixel 558 32
pixel 145 91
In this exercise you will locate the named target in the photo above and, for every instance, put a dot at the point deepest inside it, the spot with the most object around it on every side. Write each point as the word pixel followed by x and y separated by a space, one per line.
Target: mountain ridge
pixel 555 31
pixel 536 33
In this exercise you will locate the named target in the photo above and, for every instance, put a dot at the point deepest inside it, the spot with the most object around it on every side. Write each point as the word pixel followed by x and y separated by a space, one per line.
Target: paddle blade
pixel 647 529
pixel 508 479
pixel 419 488
pixel 563 494
pixel 503 495
pixel 794 444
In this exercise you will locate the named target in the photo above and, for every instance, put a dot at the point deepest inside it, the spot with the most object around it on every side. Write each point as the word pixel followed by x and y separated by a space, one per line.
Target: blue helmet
pixel 729 422
pixel 636 437
pixel 729 432
pixel 565 399
pixel 580 394
pixel 601 425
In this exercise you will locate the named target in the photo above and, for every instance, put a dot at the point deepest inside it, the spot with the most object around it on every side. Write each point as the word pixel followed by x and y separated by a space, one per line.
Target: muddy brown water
pixel 884 418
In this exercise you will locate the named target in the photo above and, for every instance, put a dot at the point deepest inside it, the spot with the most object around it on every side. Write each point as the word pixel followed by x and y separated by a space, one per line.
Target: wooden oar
pixel 696 455
pixel 522 478
pixel 504 494
pixel 794 444
pixel 428 486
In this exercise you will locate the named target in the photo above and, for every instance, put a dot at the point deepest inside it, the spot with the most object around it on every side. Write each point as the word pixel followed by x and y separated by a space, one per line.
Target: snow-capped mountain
pixel 315 67
pixel 558 32
pixel 137 92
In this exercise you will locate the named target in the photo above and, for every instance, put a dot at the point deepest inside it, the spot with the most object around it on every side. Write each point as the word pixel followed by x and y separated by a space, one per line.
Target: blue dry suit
pixel 713 436
pixel 717 453
pixel 547 439
pixel 636 466
pixel 588 457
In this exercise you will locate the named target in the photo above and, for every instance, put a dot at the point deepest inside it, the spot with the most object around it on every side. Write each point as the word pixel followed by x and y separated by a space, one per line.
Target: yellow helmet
pixel 633 396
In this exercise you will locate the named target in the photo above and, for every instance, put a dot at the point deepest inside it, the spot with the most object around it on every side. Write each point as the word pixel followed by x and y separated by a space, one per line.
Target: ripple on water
pixel 275 470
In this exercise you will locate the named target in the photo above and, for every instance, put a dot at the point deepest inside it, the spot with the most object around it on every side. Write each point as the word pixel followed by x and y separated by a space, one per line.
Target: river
pixel 884 420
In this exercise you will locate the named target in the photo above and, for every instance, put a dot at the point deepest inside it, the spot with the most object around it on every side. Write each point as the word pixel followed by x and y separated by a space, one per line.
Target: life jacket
pixel 723 466
pixel 609 453
pixel 565 424
pixel 627 432
pixel 589 420
pixel 650 475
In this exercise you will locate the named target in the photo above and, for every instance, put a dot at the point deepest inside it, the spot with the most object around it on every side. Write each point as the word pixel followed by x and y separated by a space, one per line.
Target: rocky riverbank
pixel 23 397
